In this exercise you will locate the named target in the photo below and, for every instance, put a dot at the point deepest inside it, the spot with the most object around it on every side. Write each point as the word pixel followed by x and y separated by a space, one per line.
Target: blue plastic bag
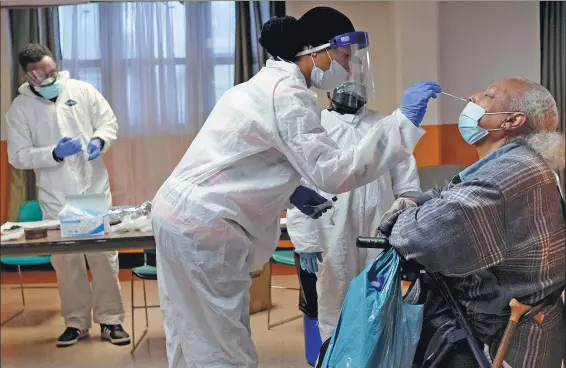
pixel 376 329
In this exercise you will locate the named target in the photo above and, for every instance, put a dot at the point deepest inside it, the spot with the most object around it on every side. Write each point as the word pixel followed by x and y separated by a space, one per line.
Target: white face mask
pixel 329 79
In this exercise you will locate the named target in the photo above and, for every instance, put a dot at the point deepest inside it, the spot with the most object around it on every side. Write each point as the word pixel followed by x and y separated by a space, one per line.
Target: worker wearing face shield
pixel 331 240
pixel 216 218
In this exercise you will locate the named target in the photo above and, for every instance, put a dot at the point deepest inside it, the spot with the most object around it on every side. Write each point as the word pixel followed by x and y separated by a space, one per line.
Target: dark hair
pixel 33 53
pixel 280 37
pixel 284 37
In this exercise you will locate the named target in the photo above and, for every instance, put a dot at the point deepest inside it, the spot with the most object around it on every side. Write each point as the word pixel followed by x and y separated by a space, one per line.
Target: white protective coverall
pixel 216 218
pixel 355 213
pixel 35 126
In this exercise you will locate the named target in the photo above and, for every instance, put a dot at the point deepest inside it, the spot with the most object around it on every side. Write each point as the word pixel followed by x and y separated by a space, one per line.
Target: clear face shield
pixel 352 51
pixel 350 62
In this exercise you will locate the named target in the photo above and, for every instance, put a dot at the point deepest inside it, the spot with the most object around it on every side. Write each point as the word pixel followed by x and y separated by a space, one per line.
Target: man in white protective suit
pixel 332 237
pixel 58 127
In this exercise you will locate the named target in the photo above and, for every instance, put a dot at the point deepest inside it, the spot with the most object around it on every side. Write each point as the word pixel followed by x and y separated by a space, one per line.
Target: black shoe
pixel 115 334
pixel 71 336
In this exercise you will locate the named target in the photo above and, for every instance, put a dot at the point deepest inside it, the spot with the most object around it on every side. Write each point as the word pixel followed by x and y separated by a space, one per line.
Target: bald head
pixel 527 111
pixel 533 107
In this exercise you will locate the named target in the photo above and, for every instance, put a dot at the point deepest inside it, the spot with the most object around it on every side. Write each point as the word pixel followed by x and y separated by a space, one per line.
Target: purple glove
pixel 305 199
pixel 415 100
pixel 93 148
pixel 67 147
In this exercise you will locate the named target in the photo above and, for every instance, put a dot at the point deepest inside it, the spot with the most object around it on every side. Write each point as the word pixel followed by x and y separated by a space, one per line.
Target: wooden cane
pixel 517 311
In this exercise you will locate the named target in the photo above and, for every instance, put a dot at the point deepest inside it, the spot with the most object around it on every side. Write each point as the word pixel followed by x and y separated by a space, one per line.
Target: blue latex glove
pixel 67 147
pixel 309 261
pixel 305 198
pixel 415 100
pixel 93 148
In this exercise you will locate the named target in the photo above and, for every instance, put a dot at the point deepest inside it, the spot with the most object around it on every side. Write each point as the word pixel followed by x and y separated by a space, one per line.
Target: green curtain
pixel 29 25
pixel 553 58
pixel 249 55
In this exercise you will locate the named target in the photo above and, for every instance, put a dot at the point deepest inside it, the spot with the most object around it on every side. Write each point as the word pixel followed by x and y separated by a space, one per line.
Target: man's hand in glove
pixel 390 217
pixel 418 197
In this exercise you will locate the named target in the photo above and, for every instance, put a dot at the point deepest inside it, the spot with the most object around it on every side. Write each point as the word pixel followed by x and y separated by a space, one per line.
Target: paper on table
pixel 44 224
pixel 142 224
pixel 13 235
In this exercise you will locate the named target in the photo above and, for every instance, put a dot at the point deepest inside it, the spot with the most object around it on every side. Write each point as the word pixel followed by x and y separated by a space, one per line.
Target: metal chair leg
pixel 133 316
pixel 12 317
pixel 269 304
pixel 22 286
pixel 23 299
pixel 269 325
pixel 285 321
pixel 144 333
pixel 145 305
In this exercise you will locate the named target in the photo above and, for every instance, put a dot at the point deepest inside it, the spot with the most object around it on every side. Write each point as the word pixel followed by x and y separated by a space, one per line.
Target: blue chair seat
pixel 26 260
pixel 29 211
pixel 284 256
pixel 145 272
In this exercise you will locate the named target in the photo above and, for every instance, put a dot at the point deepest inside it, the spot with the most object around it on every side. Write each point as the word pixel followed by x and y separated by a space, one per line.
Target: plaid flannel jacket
pixel 497 233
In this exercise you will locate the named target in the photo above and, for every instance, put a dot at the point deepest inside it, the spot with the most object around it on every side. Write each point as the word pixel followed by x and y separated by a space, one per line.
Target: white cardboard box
pixel 86 226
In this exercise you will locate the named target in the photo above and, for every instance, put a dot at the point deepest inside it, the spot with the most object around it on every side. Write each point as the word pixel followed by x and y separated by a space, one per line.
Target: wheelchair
pixel 412 272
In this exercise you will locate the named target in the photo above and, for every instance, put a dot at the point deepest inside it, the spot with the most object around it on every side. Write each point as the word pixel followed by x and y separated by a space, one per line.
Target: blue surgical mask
pixel 50 90
pixel 468 123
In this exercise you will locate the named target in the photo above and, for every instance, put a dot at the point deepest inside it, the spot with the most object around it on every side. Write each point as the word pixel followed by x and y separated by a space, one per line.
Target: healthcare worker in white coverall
pixel 332 237
pixel 216 218
pixel 58 127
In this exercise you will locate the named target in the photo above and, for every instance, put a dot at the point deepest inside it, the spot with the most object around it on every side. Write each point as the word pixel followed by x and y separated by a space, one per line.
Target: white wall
pixel 5 80
pixel 416 49
pixel 464 45
pixel 482 42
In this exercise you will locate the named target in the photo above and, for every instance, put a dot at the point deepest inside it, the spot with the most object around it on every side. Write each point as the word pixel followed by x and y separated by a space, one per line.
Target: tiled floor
pixel 29 340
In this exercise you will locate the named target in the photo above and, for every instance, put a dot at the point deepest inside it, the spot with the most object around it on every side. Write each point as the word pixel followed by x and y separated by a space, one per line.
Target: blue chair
pixel 145 272
pixel 282 256
pixel 28 212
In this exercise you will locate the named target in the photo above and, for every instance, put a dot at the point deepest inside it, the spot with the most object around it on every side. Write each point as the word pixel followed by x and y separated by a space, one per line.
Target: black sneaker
pixel 115 334
pixel 71 336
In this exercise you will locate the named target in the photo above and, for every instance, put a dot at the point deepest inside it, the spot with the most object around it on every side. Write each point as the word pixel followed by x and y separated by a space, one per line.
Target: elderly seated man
pixel 496 232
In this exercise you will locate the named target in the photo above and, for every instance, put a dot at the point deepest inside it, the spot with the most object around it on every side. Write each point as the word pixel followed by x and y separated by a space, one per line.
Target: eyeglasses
pixel 38 78
pixel 54 75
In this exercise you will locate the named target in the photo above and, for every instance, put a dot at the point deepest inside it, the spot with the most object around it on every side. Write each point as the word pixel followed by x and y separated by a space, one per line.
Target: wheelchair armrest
pixel 379 242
